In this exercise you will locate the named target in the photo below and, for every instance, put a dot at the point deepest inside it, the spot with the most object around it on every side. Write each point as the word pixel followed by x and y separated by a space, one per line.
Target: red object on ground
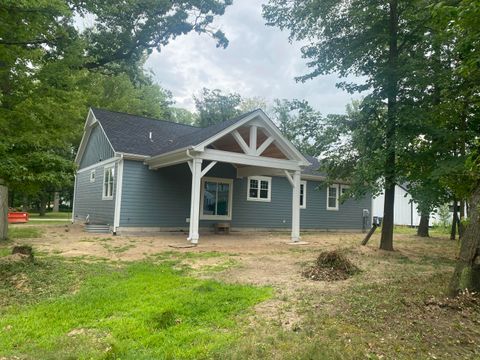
pixel 17 217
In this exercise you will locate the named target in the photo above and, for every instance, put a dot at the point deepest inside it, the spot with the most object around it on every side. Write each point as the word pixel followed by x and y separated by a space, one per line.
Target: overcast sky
pixel 258 62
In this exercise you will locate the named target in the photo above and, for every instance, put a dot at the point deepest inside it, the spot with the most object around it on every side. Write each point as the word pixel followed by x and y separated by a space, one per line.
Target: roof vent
pixel 150 136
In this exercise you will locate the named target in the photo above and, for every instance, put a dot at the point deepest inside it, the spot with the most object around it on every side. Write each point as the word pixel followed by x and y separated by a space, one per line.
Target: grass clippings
pixel 331 266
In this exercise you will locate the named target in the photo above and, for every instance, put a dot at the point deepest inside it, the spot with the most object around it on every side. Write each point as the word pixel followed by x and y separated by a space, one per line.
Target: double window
pixel 333 195
pixel 108 176
pixel 216 199
pixel 259 188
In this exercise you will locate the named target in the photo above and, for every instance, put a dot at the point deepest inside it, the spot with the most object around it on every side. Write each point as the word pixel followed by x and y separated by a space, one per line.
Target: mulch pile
pixel 330 266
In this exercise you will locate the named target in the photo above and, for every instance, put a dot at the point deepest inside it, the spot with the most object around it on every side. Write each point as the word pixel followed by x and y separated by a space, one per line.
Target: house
pixel 405 211
pixel 141 174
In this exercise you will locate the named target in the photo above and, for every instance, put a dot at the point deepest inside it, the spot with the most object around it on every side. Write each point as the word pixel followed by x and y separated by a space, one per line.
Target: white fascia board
pixel 244 159
pixel 170 159
pixel 101 163
pixel 247 171
pixel 129 156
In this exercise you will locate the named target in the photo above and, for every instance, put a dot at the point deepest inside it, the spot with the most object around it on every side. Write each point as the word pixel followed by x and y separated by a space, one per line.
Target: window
pixel 332 197
pixel 92 176
pixel 259 188
pixel 303 194
pixel 108 176
pixel 216 199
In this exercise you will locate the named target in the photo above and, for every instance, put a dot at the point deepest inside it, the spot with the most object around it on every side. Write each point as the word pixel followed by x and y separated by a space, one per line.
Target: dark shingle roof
pixel 313 168
pixel 130 133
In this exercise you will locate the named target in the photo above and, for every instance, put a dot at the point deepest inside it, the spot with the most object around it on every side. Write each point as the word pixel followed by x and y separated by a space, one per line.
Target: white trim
pixel 88 127
pixel 105 168
pixel 118 196
pixel 195 200
pixel 296 207
pixel 259 179
pixel 92 178
pixel 239 139
pixel 208 168
pixel 99 164
pixel 264 145
pixel 190 165
pixel 337 196
pixel 253 140
pixel 230 198
pixel 74 197
pixel 284 144
pixel 237 158
pixel 129 156
pixel 289 177
pixel 304 184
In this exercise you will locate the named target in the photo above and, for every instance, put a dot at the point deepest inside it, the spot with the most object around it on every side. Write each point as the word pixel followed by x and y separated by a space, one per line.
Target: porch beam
pixel 296 207
pixel 253 140
pixel 190 166
pixel 264 146
pixel 255 170
pixel 239 139
pixel 208 167
pixel 244 159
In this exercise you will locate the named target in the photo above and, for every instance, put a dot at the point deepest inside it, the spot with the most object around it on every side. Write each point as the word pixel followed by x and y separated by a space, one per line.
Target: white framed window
pixel 332 197
pixel 92 176
pixel 303 194
pixel 216 199
pixel 108 176
pixel 259 188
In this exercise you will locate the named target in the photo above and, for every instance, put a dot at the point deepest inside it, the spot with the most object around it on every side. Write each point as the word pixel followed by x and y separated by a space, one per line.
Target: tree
pixel 375 39
pixel 300 124
pixel 46 61
pixel 183 116
pixel 253 103
pixel 213 106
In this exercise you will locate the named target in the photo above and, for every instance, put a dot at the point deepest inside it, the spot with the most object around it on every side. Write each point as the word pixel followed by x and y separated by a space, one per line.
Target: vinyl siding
pixel 161 198
pixel 97 149
pixel 88 198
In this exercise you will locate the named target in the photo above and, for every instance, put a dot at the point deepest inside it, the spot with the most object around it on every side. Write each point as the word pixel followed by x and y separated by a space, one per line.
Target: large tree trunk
pixel 3 211
pixel 461 228
pixel 391 87
pixel 422 230
pixel 43 204
pixel 56 201
pixel 386 239
pixel 453 231
pixel 467 270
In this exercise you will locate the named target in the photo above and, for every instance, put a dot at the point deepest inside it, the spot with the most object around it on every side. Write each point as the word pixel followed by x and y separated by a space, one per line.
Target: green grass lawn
pixel 24 232
pixel 58 309
pixel 51 215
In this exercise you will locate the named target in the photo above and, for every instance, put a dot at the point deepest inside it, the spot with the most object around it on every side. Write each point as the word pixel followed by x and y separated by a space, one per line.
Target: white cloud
pixel 259 61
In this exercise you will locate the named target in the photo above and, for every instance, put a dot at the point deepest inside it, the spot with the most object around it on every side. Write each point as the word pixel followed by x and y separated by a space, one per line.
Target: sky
pixel 258 62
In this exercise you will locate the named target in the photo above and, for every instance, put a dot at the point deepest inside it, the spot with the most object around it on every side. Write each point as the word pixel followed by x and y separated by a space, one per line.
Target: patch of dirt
pixel 331 266
pixel 466 301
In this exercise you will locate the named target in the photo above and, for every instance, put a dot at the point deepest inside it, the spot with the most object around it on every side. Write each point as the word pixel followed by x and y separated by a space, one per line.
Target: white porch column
pixel 296 207
pixel 195 200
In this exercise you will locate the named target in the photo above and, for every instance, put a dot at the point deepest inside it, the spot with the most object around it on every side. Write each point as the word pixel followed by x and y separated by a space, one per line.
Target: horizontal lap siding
pixel 88 198
pixel 97 149
pixel 316 216
pixel 161 198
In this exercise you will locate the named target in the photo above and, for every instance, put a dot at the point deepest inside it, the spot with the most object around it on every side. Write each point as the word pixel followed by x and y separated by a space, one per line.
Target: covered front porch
pixel 258 153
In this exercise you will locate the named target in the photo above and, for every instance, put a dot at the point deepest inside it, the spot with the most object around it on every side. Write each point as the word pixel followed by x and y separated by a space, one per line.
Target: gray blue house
pixel 142 174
